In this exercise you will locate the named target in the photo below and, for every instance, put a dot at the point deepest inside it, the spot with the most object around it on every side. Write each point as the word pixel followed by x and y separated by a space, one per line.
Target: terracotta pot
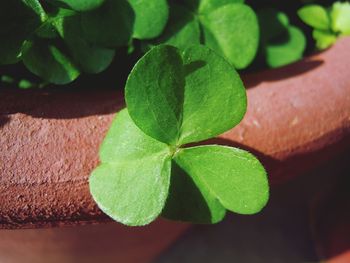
pixel 298 116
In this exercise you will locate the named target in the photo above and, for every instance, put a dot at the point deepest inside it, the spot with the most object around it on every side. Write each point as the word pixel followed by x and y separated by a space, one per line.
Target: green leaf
pixel 189 200
pixel 154 93
pixel 235 177
pixel 286 49
pixel 150 17
pixel 323 39
pixel 111 25
pixel 89 57
pixel 131 185
pixel 79 5
pixel 49 62
pixel 125 141
pixel 206 6
pixel 233 31
pixel 178 98
pixel 182 28
pixel 315 16
pixel 340 16
pixel 18 20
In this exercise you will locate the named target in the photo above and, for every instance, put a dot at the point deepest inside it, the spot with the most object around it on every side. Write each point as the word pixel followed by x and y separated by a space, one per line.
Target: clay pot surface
pixel 298 116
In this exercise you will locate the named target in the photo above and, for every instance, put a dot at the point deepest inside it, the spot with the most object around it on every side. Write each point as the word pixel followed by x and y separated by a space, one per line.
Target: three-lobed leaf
pixel 181 97
pixel 177 97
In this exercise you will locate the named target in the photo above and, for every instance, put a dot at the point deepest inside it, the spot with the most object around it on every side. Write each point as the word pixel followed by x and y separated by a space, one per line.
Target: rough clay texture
pixel 297 116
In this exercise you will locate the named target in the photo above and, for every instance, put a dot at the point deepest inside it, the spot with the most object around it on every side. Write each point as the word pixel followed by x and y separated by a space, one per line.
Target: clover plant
pixel 175 97
pixel 59 40
pixel 328 24
pixel 281 43
pixel 230 27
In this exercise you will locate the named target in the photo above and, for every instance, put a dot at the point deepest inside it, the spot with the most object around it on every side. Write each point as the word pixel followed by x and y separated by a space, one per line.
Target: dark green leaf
pixel 131 185
pixel 79 5
pixel 181 98
pixel 111 25
pixel 49 62
pixel 150 17
pixel 233 31
pixel 18 21
pixel 315 16
pixel 273 24
pixel 190 200
pixel 182 29
pixel 233 176
pixel 89 57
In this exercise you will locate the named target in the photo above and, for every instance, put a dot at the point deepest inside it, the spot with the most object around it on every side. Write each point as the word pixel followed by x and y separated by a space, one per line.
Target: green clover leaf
pixel 173 98
pixel 281 43
pixel 340 15
pixel 227 26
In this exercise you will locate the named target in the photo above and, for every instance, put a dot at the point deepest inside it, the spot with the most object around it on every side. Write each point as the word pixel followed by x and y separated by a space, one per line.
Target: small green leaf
pixel 18 20
pixel 111 25
pixel 150 17
pixel 182 28
pixel 233 31
pixel 89 57
pixel 323 39
pixel 286 49
pixel 340 15
pixel 79 5
pixel 189 200
pixel 131 185
pixel 315 16
pixel 49 62
pixel 234 176
pixel 178 98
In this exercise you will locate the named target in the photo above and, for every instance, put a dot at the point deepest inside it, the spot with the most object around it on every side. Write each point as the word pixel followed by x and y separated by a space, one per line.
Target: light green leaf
pixel 49 62
pixel 215 98
pixel 233 31
pixel 323 39
pixel 125 141
pixel 111 25
pixel 315 16
pixel 154 93
pixel 18 21
pixel 182 29
pixel 206 6
pixel 178 98
pixel 132 183
pixel 234 176
pixel 340 16
pixel 79 5
pixel 37 8
pixel 89 57
pixel 150 17
pixel 132 192
pixel 286 49
pixel 189 200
